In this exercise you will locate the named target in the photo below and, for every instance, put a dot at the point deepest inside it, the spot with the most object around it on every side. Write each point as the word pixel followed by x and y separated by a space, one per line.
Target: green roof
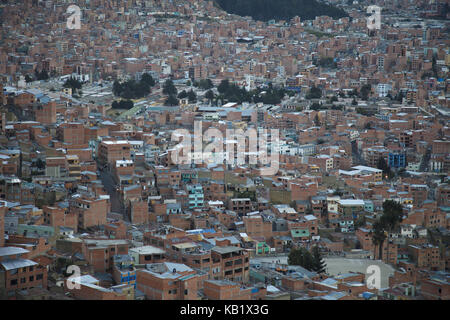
pixel 297 233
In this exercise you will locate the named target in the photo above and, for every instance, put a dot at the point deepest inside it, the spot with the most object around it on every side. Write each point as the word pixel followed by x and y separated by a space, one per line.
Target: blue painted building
pixel 397 160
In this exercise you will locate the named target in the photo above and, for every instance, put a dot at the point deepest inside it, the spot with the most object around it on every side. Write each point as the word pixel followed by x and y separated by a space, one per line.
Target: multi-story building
pixel 19 273
pixel 231 263
pixel 124 271
pixel 111 151
pixel 426 256
pixel 240 205
pixel 195 195
pixel 168 281
pixel 99 253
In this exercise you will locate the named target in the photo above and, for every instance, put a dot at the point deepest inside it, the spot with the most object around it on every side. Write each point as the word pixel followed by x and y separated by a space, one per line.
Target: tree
pixel 73 83
pixel 223 86
pixel 327 62
pixel 172 100
pixel 382 165
pixel 365 90
pixel 40 164
pixel 204 84
pixel 266 10
pixel 28 79
pixel 378 237
pixel 122 104
pixel 319 264
pixel 169 88
pixel 209 95
pixel 192 97
pixel 132 89
pixel 148 79
pixel 314 93
pixel 392 215
pixel 386 224
pixel 182 94
pixel 301 257
pixel 43 75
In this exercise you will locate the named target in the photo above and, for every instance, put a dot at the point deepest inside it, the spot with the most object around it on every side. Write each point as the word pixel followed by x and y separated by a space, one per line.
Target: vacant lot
pixel 337 266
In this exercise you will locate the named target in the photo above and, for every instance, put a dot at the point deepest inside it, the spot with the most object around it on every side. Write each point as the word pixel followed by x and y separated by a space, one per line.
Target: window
pixel 23 280
pixel 186 291
pixel 31 278
pixel 14 282
pixel 39 276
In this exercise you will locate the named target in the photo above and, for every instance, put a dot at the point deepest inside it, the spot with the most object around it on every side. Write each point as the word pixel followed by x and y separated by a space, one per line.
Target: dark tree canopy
pixel 314 93
pixel 266 10
pixel 172 100
pixel 132 89
pixel 192 97
pixel 319 264
pixel 209 95
pixel 301 257
pixel 73 83
pixel 182 94
pixel 122 104
pixel 169 88
pixel 204 84
pixel 43 75
pixel 388 222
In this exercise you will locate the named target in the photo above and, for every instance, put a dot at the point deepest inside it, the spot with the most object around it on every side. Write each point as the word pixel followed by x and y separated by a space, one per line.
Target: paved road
pixel 109 184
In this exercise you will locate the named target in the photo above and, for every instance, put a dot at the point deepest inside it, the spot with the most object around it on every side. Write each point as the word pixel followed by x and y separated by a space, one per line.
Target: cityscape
pixel 224 150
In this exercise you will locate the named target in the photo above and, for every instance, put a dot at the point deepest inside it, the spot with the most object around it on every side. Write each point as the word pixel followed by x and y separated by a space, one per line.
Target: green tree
pixel 209 95
pixel 182 94
pixel 389 222
pixel 365 90
pixel 172 100
pixel 205 84
pixel 378 237
pixel 148 79
pixel 301 257
pixel 192 97
pixel 169 88
pixel 382 165
pixel 314 93
pixel 73 83
pixel 223 86
pixel 40 164
pixel 319 264
pixel 266 10
pixel 43 75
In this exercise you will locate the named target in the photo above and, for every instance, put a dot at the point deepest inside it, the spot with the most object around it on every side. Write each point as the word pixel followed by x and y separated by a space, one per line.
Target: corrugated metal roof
pixel 17 263
pixel 7 251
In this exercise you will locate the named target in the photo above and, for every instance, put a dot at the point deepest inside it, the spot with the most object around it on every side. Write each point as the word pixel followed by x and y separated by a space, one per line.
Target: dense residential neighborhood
pixel 169 150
